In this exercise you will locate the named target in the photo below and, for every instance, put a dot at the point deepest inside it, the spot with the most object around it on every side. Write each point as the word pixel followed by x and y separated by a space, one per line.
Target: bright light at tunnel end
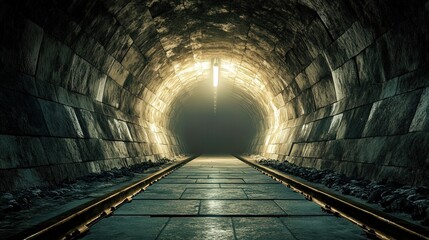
pixel 215 74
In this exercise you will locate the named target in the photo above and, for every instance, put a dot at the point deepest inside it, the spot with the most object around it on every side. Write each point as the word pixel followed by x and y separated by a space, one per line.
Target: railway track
pixel 75 223
pixel 376 223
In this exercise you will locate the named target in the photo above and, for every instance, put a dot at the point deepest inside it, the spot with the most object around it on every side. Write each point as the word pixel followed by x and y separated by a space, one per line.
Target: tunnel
pixel 88 86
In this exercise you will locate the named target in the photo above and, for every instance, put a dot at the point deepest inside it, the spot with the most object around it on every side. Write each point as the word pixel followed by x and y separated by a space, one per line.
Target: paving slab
pixel 220 180
pixel 159 207
pixel 322 228
pixel 240 207
pixel 300 207
pixel 210 193
pixel 198 228
pixel 260 228
pixel 222 198
pixel 129 227
pixel 267 193
pixel 176 180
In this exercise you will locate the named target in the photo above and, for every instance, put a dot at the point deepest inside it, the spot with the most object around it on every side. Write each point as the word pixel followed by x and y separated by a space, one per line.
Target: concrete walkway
pixel 221 198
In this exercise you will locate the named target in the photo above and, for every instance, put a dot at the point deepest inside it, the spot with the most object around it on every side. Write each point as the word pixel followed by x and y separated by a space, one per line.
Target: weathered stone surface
pixel 413 80
pixel 18 82
pixel 324 92
pixel 336 15
pixel 54 61
pixel 353 41
pixel 401 49
pixel 112 91
pixel 345 79
pixel 119 44
pixel 421 118
pixel 318 37
pixel 317 70
pixel 61 120
pixel 369 65
pixel 19 48
pixel 353 122
pixel 392 115
pixel 20 114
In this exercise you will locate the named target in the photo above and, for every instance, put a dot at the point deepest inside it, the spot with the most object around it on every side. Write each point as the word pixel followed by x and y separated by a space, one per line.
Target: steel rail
pixel 72 223
pixel 373 221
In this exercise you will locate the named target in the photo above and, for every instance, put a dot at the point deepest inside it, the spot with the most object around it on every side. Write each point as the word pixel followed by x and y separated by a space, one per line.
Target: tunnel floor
pixel 220 197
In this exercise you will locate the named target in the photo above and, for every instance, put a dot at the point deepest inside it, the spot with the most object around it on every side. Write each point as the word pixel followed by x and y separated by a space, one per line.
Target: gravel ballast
pixel 391 196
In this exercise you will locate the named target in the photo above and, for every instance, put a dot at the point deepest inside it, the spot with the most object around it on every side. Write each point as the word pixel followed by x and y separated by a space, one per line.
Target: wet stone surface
pixel 226 200
pixel 392 197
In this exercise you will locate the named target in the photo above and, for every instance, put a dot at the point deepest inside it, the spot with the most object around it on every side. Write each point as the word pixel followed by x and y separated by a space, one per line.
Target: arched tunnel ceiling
pixel 178 40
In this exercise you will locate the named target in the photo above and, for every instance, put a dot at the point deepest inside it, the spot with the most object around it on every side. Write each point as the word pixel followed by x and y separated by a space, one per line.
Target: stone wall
pixel 65 106
pixel 359 100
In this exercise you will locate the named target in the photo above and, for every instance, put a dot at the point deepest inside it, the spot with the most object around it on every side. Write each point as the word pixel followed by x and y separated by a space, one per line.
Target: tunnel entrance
pixel 205 128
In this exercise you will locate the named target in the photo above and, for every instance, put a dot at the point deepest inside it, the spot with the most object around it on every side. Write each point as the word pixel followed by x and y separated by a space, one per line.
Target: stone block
pixel 20 114
pixel 352 42
pixel 46 91
pixel 333 128
pixel 402 49
pixel 13 179
pixel 57 151
pixel 409 150
pixel 88 123
pixel 421 117
pixel 293 66
pixel 392 115
pixel 302 81
pixel 353 122
pixel 19 82
pixel 345 79
pixel 102 26
pixel 19 43
pixel 317 37
pixel 320 130
pixel 369 65
pixel 103 125
pixel 365 150
pixel 318 70
pixel 54 61
pixel 413 80
pixel 61 120
pixel 119 44
pixel 324 92
pixel 389 88
pixel 118 73
pixel 134 61
pixel 92 51
pixel 112 91
pixel 333 150
pixel 337 16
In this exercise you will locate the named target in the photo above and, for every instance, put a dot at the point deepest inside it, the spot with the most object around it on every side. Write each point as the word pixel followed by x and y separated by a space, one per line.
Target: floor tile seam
pixel 233 228
pixel 162 229
pixel 181 195
pixel 199 208
pixel 290 231
pixel 279 206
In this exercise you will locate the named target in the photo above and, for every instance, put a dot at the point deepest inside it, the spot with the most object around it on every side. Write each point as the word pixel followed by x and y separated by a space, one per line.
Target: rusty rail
pixel 75 222
pixel 373 221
